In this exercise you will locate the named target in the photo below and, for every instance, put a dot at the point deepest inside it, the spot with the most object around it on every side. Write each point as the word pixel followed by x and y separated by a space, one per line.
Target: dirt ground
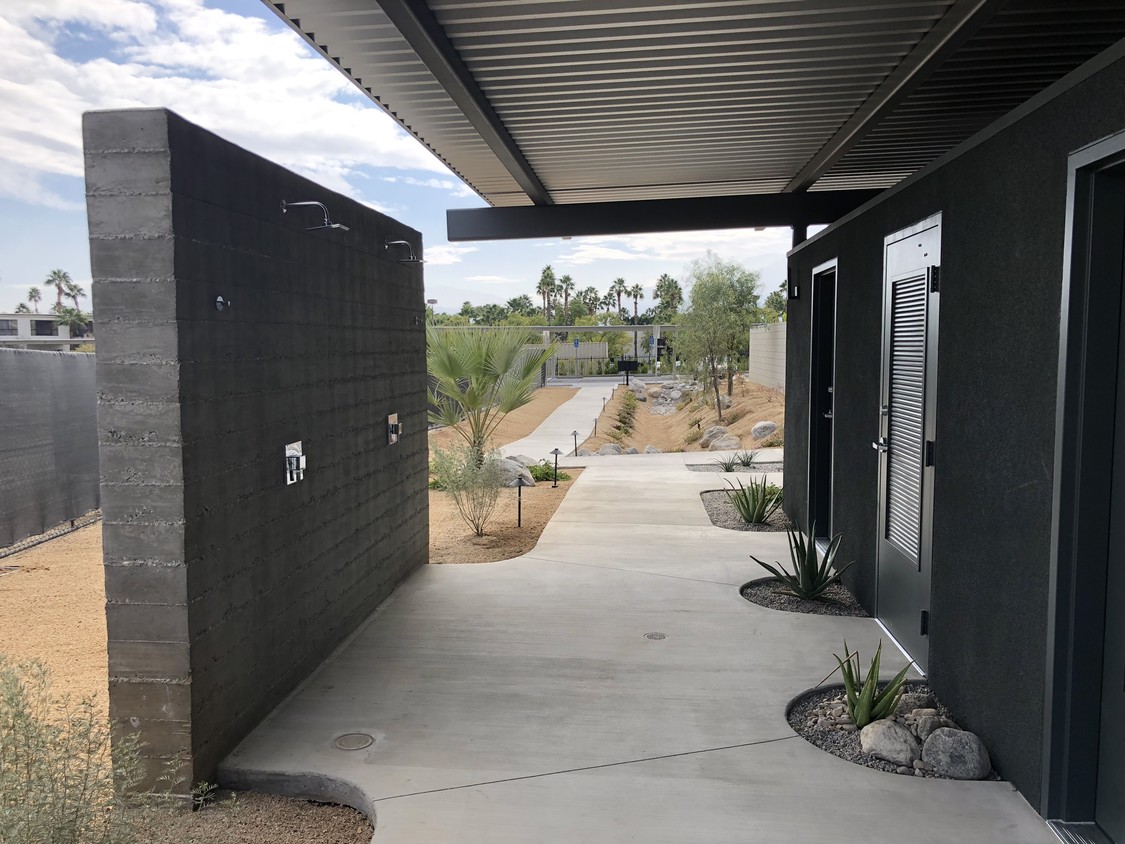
pixel 52 608
pixel 751 404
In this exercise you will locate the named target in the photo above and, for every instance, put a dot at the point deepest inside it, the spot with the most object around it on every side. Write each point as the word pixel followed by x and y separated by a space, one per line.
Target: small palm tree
pixel 34 296
pixel 74 292
pixel 22 308
pixel 480 376
pixel 58 279
pixel 74 319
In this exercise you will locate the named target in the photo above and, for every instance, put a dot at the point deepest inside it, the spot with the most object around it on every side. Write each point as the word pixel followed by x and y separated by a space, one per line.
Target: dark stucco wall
pixel 1004 207
pixel 48 441
pixel 225 586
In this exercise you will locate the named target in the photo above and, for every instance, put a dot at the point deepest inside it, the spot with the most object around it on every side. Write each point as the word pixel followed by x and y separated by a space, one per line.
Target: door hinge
pixel 925 623
pixel 930 447
pixel 935 279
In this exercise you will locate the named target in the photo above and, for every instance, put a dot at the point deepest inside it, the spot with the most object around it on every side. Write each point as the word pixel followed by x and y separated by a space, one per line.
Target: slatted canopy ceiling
pixel 598 101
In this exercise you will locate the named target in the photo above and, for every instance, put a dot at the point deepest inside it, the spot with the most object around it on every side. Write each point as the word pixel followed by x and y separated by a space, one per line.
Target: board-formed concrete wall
pixel 766 362
pixel 48 441
pixel 225 585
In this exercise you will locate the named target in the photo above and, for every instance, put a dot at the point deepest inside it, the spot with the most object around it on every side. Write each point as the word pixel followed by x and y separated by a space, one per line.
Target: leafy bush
pixel 546 472
pixel 694 435
pixel 810 578
pixel 866 701
pixel 474 487
pixel 757 502
pixel 61 780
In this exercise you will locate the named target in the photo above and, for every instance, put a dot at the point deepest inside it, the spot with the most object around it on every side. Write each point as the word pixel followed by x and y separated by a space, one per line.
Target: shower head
pixel 327 224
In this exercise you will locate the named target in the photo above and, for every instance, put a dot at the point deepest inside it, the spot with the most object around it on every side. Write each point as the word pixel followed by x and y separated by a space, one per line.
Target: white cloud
pixel 455 187
pixel 679 248
pixel 492 279
pixel 234 75
pixel 448 253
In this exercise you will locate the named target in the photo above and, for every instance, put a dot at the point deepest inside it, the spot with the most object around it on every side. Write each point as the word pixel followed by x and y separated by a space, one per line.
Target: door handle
pixel 880 444
pixel 828 415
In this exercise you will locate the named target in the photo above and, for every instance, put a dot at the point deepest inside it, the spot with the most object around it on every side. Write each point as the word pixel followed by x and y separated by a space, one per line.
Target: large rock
pixel 585 452
pixel 640 396
pixel 631 450
pixel 725 401
pixel 727 442
pixel 654 392
pixel 712 433
pixel 928 724
pixel 891 741
pixel 610 448
pixel 676 395
pixel 763 430
pixel 914 700
pixel 524 460
pixel 512 470
pixel 958 754
pixel 651 449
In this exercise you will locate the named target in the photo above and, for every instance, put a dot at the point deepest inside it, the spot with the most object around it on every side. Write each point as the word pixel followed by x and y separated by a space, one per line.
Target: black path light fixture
pixel 556 452
pixel 520 484
pixel 575 435
pixel 327 224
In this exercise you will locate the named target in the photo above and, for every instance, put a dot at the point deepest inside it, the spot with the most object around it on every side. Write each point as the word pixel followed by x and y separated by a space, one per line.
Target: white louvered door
pixel 906 446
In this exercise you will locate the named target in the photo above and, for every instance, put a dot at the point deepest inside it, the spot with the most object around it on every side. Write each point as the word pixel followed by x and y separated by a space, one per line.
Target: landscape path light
pixel 575 435
pixel 520 484
pixel 556 452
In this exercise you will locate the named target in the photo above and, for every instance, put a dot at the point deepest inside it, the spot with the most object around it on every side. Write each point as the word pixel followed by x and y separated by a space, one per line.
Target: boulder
pixel 511 470
pixel 654 392
pixel 651 449
pixel 914 700
pixel 958 754
pixel 641 396
pixel 712 433
pixel 727 442
pixel 928 723
pixel 890 741
pixel 610 448
pixel 585 452
pixel 676 395
pixel 631 450
pixel 763 430
pixel 725 401
pixel 523 460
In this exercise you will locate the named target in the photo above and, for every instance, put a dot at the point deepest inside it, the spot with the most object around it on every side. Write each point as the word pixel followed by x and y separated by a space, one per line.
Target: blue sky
pixel 234 68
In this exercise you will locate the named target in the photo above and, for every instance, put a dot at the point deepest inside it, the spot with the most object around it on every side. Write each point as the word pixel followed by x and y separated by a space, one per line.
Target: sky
pixel 234 68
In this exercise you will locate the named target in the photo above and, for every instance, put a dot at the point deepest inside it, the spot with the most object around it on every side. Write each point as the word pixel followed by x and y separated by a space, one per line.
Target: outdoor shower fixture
pixel 328 224
pixel 411 258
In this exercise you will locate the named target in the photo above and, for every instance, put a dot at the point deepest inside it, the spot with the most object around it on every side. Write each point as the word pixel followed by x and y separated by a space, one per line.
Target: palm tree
pixel 637 293
pixel 669 292
pixel 74 292
pixel 546 289
pixel 607 303
pixel 22 308
pixel 34 297
pixel 479 376
pixel 58 279
pixel 73 319
pixel 566 287
pixel 619 288
pixel 591 298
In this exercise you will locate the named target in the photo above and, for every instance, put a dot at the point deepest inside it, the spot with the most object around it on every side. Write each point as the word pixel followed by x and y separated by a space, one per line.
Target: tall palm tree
pixel 546 289
pixel 591 298
pixel 619 288
pixel 479 376
pixel 58 279
pixel 607 303
pixel 74 292
pixel 669 293
pixel 34 296
pixel 636 293
pixel 566 287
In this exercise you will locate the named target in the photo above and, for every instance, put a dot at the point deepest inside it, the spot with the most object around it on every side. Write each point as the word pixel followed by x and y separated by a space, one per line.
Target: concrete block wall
pixel 225 586
pixel 767 355
pixel 48 441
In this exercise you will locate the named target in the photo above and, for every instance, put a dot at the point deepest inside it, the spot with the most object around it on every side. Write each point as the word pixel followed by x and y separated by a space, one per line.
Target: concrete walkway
pixel 524 701
pixel 578 414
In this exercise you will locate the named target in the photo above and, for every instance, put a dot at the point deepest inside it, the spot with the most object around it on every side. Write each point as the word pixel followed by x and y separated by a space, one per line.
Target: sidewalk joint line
pixel 587 768
pixel 629 571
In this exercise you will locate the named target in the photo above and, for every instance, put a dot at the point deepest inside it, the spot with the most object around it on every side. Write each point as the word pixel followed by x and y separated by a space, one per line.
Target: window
pixel 8 328
pixel 44 328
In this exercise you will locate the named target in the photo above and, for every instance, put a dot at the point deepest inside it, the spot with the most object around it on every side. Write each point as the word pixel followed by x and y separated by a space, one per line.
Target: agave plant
pixel 866 701
pixel 810 578
pixel 746 458
pixel 757 502
pixel 728 464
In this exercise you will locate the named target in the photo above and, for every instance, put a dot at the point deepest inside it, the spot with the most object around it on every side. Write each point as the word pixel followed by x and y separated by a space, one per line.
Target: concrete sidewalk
pixel 578 414
pixel 524 701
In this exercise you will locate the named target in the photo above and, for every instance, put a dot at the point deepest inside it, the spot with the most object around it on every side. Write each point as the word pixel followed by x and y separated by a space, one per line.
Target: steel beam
pixel 417 24
pixel 956 27
pixel 656 215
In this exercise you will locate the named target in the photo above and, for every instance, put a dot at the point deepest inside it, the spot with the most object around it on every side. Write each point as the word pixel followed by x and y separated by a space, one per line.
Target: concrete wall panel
pixel 766 363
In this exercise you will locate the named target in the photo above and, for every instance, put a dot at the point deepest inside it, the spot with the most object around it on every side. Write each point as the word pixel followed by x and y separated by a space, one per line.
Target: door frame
pixel 820 270
pixel 1089 329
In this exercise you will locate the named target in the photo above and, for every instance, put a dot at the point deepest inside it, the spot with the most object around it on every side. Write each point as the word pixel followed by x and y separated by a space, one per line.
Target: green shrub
pixel 694 421
pixel 734 415
pixel 694 435
pixel 866 701
pixel 810 578
pixel 474 488
pixel 546 472
pixel 757 502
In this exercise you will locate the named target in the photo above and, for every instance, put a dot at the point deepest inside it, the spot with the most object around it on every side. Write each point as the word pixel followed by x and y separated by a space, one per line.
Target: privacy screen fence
pixel 48 441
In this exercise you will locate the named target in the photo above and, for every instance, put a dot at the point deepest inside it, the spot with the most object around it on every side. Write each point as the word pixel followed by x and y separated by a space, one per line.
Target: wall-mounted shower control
pixel 294 463
pixel 394 429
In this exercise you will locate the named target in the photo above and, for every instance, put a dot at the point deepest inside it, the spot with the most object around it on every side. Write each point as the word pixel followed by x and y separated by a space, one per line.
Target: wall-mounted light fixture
pixel 328 224
pixel 394 429
pixel 411 257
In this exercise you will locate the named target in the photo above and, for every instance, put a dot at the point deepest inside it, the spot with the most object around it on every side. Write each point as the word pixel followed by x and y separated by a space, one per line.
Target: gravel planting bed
pixel 723 514
pixel 763 592
pixel 820 718
pixel 757 468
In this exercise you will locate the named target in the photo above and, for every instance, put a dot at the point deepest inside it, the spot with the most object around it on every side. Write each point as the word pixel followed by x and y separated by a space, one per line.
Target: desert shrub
pixel 694 421
pixel 866 700
pixel 692 436
pixel 746 458
pixel 61 779
pixel 474 488
pixel 734 415
pixel 776 440
pixel 811 577
pixel 757 502
pixel 728 464
pixel 546 472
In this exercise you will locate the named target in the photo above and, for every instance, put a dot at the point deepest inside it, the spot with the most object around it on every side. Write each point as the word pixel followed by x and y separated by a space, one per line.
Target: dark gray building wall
pixel 1004 206
pixel 225 586
pixel 48 441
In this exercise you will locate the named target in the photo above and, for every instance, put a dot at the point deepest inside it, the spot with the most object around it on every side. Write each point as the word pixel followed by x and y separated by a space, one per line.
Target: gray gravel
pixel 764 593
pixel 722 514
pixel 756 468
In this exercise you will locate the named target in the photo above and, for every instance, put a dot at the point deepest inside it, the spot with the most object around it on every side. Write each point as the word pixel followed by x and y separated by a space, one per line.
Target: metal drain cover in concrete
pixel 354 741
pixel 656 636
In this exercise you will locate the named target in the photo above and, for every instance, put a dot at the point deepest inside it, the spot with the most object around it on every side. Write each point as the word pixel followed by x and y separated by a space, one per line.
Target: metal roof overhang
pixel 599 117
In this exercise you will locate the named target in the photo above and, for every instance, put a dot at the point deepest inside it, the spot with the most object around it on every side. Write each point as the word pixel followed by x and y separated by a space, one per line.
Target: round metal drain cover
pixel 655 636
pixel 354 741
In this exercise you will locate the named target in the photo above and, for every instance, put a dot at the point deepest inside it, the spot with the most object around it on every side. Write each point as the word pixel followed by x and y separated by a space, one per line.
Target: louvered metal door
pixel 906 445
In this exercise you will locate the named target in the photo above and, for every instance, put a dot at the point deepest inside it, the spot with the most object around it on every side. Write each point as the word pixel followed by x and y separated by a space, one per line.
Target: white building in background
pixel 37 331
